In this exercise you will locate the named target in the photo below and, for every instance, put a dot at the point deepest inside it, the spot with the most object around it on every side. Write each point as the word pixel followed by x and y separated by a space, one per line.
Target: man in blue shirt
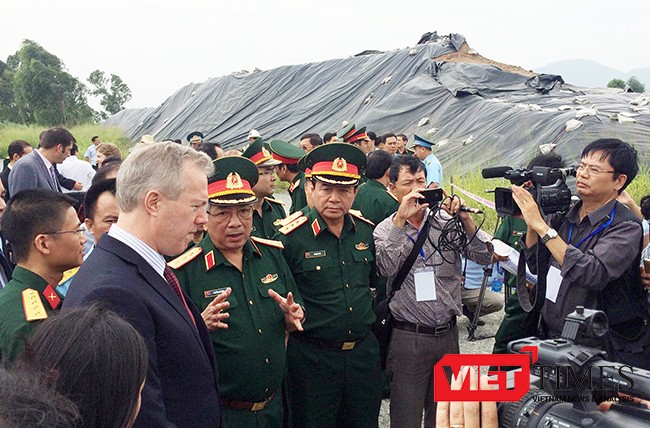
pixel 90 155
pixel 422 148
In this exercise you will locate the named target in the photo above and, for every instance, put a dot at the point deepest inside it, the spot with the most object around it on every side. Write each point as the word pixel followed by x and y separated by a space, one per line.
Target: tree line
pixel 36 88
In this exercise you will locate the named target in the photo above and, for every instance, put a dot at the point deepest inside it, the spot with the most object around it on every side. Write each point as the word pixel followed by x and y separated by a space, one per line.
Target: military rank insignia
pixel 269 278
pixel 51 297
pixel 209 260
pixel 33 306
pixel 361 246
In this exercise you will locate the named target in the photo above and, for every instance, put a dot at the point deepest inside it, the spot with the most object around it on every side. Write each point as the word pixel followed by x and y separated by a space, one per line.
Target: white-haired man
pixel 162 194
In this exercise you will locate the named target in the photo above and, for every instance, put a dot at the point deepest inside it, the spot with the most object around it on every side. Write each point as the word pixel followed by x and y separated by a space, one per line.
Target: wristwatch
pixel 550 234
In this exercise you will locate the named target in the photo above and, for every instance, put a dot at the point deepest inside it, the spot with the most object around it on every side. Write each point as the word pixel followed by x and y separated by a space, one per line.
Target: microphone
pixel 471 210
pixel 495 172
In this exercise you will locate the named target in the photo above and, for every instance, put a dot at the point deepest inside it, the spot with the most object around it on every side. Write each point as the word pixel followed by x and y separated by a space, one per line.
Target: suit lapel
pixel 44 170
pixel 156 281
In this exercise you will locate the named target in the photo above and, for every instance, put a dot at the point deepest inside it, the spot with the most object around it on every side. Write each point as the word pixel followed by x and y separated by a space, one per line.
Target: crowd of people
pixel 173 289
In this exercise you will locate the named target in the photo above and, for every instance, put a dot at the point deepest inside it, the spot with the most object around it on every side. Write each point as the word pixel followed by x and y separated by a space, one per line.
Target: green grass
pixel 82 133
pixel 474 183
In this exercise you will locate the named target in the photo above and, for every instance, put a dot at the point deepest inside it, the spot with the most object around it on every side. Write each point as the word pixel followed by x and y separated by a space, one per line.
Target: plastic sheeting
pixel 478 114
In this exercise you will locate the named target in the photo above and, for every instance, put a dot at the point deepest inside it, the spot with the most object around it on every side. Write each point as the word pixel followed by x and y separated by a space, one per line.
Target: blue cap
pixel 420 141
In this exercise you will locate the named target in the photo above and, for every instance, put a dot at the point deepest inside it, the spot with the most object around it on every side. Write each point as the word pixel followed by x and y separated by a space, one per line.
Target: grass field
pixel 82 133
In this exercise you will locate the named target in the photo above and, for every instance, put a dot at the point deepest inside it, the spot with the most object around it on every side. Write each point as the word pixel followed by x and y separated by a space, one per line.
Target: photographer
pixel 594 253
pixel 427 304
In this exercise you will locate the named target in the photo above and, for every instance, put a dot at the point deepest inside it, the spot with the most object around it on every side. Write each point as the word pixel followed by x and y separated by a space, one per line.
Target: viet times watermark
pixel 511 385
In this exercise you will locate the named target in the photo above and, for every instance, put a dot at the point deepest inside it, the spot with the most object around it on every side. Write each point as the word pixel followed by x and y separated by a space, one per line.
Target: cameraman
pixel 424 327
pixel 594 253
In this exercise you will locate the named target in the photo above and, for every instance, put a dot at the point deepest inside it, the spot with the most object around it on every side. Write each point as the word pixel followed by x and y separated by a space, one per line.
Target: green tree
pixel 7 102
pixel 634 85
pixel 114 93
pixel 44 92
pixel 616 83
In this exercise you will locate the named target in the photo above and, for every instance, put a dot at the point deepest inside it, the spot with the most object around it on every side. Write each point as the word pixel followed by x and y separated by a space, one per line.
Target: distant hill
pixel 591 74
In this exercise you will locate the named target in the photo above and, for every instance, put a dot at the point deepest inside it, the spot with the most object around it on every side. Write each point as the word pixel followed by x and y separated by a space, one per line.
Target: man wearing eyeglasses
pixel 247 296
pixel 45 233
pixel 267 212
pixel 595 252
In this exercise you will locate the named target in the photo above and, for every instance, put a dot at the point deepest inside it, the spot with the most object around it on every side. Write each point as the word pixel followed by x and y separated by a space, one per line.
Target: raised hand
pixel 213 315
pixel 293 314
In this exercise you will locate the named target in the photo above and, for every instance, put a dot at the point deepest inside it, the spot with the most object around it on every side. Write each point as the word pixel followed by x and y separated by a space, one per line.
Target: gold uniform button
pixel 349 332
pixel 343 262
pixel 250 302
pixel 266 360
pixel 347 285
pixel 259 331
pixel 350 309
pixel 317 267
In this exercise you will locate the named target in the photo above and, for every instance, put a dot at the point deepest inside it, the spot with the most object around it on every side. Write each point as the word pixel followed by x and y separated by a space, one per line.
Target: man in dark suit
pixel 162 195
pixel 6 267
pixel 37 170
pixel 16 150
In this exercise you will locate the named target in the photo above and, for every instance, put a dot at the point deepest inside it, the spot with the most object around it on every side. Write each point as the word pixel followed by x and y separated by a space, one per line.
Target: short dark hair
pixel 387 136
pixel 74 150
pixel 328 136
pixel 620 155
pixel 28 400
pixel 82 346
pixel 209 149
pixel 644 204
pixel 110 164
pixel 92 140
pixel 55 136
pixel 403 137
pixel 17 147
pixel 379 162
pixel 550 160
pixel 93 194
pixel 410 163
pixel 30 213
pixel 314 139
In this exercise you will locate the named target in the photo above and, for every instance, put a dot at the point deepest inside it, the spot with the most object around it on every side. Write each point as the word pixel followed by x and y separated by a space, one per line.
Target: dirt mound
pixel 467 54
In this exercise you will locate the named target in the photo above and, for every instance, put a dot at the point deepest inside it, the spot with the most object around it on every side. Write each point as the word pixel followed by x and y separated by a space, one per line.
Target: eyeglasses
pixel 263 173
pixel 244 213
pixel 81 231
pixel 592 170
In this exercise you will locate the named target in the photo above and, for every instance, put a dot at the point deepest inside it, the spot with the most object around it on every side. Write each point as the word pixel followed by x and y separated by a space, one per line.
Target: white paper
pixel 425 284
pixel 513 260
pixel 553 281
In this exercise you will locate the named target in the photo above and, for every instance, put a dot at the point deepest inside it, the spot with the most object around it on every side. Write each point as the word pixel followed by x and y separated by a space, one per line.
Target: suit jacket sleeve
pixel 68 183
pixel 131 308
pixel 23 176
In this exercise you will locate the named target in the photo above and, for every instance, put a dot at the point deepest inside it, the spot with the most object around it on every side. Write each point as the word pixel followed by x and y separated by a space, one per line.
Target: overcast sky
pixel 159 46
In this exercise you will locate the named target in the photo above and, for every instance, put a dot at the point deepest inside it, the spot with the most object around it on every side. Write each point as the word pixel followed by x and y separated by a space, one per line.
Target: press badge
pixel 553 281
pixel 425 284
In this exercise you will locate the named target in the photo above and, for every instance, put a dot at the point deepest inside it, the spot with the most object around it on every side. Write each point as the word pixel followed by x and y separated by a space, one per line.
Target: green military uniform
pixel 334 370
pixel 375 201
pixel 25 301
pixel 251 351
pixel 297 193
pixel 511 231
pixel 266 225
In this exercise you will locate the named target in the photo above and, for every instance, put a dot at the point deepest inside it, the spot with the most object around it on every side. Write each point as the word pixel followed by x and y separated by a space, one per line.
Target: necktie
pixel 55 181
pixel 173 282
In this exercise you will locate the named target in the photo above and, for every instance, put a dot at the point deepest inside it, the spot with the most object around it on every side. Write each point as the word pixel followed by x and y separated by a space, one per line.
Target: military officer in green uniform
pixel 268 211
pixel 373 199
pixel 44 231
pixel 288 171
pixel 358 137
pixel 247 296
pixel 333 378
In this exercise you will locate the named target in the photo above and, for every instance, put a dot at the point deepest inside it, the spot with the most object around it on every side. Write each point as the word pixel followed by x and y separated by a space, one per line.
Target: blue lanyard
pixel 421 248
pixel 595 232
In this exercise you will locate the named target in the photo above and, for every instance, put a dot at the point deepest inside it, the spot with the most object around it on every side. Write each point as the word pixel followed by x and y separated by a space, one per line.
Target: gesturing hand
pixel 293 314
pixel 409 207
pixel 213 314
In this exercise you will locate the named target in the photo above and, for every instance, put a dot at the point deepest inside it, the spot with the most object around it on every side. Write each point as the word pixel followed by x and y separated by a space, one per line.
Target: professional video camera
pixel 567 379
pixel 550 189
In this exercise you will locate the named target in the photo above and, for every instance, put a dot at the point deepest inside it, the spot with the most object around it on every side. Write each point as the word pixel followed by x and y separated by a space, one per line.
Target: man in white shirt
pixel 91 152
pixel 76 169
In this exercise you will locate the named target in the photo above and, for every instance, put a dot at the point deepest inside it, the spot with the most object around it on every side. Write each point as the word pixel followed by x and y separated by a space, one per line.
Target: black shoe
pixel 470 315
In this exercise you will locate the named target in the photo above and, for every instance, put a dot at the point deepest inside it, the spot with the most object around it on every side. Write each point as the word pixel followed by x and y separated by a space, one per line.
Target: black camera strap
pixel 408 263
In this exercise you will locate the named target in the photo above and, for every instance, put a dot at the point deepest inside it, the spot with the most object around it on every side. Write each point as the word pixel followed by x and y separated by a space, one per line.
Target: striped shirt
pixel 155 259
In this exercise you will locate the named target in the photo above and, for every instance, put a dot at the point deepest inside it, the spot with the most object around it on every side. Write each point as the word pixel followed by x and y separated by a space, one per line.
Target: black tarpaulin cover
pixel 478 114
